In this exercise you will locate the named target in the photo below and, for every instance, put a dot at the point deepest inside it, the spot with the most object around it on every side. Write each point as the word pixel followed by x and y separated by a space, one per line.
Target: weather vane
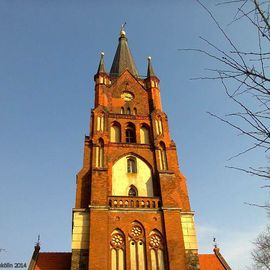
pixel 123 26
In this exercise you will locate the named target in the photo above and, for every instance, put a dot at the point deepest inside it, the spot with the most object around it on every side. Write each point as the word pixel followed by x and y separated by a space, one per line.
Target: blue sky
pixel 49 53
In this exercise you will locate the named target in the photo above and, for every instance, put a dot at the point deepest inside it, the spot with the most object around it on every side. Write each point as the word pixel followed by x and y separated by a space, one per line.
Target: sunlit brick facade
pixel 132 209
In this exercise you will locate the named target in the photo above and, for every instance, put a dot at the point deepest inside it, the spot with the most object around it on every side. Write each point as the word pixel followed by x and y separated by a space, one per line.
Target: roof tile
pixel 210 262
pixel 53 261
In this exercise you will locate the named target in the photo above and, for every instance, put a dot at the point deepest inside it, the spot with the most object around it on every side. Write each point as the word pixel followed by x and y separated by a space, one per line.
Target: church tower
pixel 132 208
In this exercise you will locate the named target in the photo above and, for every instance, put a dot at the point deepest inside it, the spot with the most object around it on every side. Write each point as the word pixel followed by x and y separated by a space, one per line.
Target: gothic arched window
pixel 137 247
pixel 117 246
pixel 100 122
pixel 159 128
pixel 115 133
pixel 144 134
pixel 100 154
pixel 130 134
pixel 132 191
pixel 131 165
pixel 156 250
pixel 128 111
pixel 163 157
pixel 141 178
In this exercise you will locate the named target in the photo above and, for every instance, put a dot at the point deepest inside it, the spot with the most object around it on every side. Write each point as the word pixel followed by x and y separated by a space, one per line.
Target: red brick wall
pixel 95 185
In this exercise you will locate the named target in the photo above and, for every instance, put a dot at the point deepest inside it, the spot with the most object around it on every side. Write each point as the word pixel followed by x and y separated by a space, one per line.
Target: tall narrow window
pixel 137 247
pixel 130 134
pixel 117 246
pixel 163 157
pixel 100 154
pixel 131 165
pixel 115 134
pixel 144 135
pixel 156 250
pixel 100 122
pixel 122 110
pixel 159 128
pixel 128 111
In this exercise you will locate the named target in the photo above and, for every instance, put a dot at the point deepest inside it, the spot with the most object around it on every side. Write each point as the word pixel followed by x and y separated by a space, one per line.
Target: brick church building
pixel 132 209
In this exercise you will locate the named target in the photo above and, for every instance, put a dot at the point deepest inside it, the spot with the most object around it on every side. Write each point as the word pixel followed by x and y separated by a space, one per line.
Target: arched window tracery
pixel 117 247
pixel 137 247
pixel 156 250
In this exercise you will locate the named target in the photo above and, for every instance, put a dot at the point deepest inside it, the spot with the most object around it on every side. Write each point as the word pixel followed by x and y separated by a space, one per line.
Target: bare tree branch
pixel 245 77
pixel 261 252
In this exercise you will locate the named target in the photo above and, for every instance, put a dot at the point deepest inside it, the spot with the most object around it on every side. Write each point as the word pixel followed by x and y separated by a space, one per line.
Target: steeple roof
pixel 101 66
pixel 150 70
pixel 123 59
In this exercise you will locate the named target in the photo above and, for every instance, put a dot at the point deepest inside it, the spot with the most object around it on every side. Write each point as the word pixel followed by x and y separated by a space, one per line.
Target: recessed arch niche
pixel 123 179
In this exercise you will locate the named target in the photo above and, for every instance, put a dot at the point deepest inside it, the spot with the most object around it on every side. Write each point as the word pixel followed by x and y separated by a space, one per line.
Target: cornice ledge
pixel 166 172
pixel 100 169
pixel 171 208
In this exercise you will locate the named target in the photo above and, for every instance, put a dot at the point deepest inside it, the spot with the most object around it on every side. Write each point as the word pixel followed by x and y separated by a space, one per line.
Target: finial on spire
pixel 38 241
pixel 122 31
pixel 123 58
pixel 37 246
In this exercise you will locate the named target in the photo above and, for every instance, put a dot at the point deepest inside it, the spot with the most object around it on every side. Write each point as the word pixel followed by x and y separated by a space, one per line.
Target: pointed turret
pixel 101 66
pixel 150 70
pixel 151 76
pixel 123 59
pixel 101 76
pixel 152 84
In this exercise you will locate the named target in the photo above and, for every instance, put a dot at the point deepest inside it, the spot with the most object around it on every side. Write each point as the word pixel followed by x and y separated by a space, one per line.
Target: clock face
pixel 127 96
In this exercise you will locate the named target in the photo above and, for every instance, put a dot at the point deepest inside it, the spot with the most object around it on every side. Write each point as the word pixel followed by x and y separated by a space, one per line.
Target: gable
pixel 128 84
